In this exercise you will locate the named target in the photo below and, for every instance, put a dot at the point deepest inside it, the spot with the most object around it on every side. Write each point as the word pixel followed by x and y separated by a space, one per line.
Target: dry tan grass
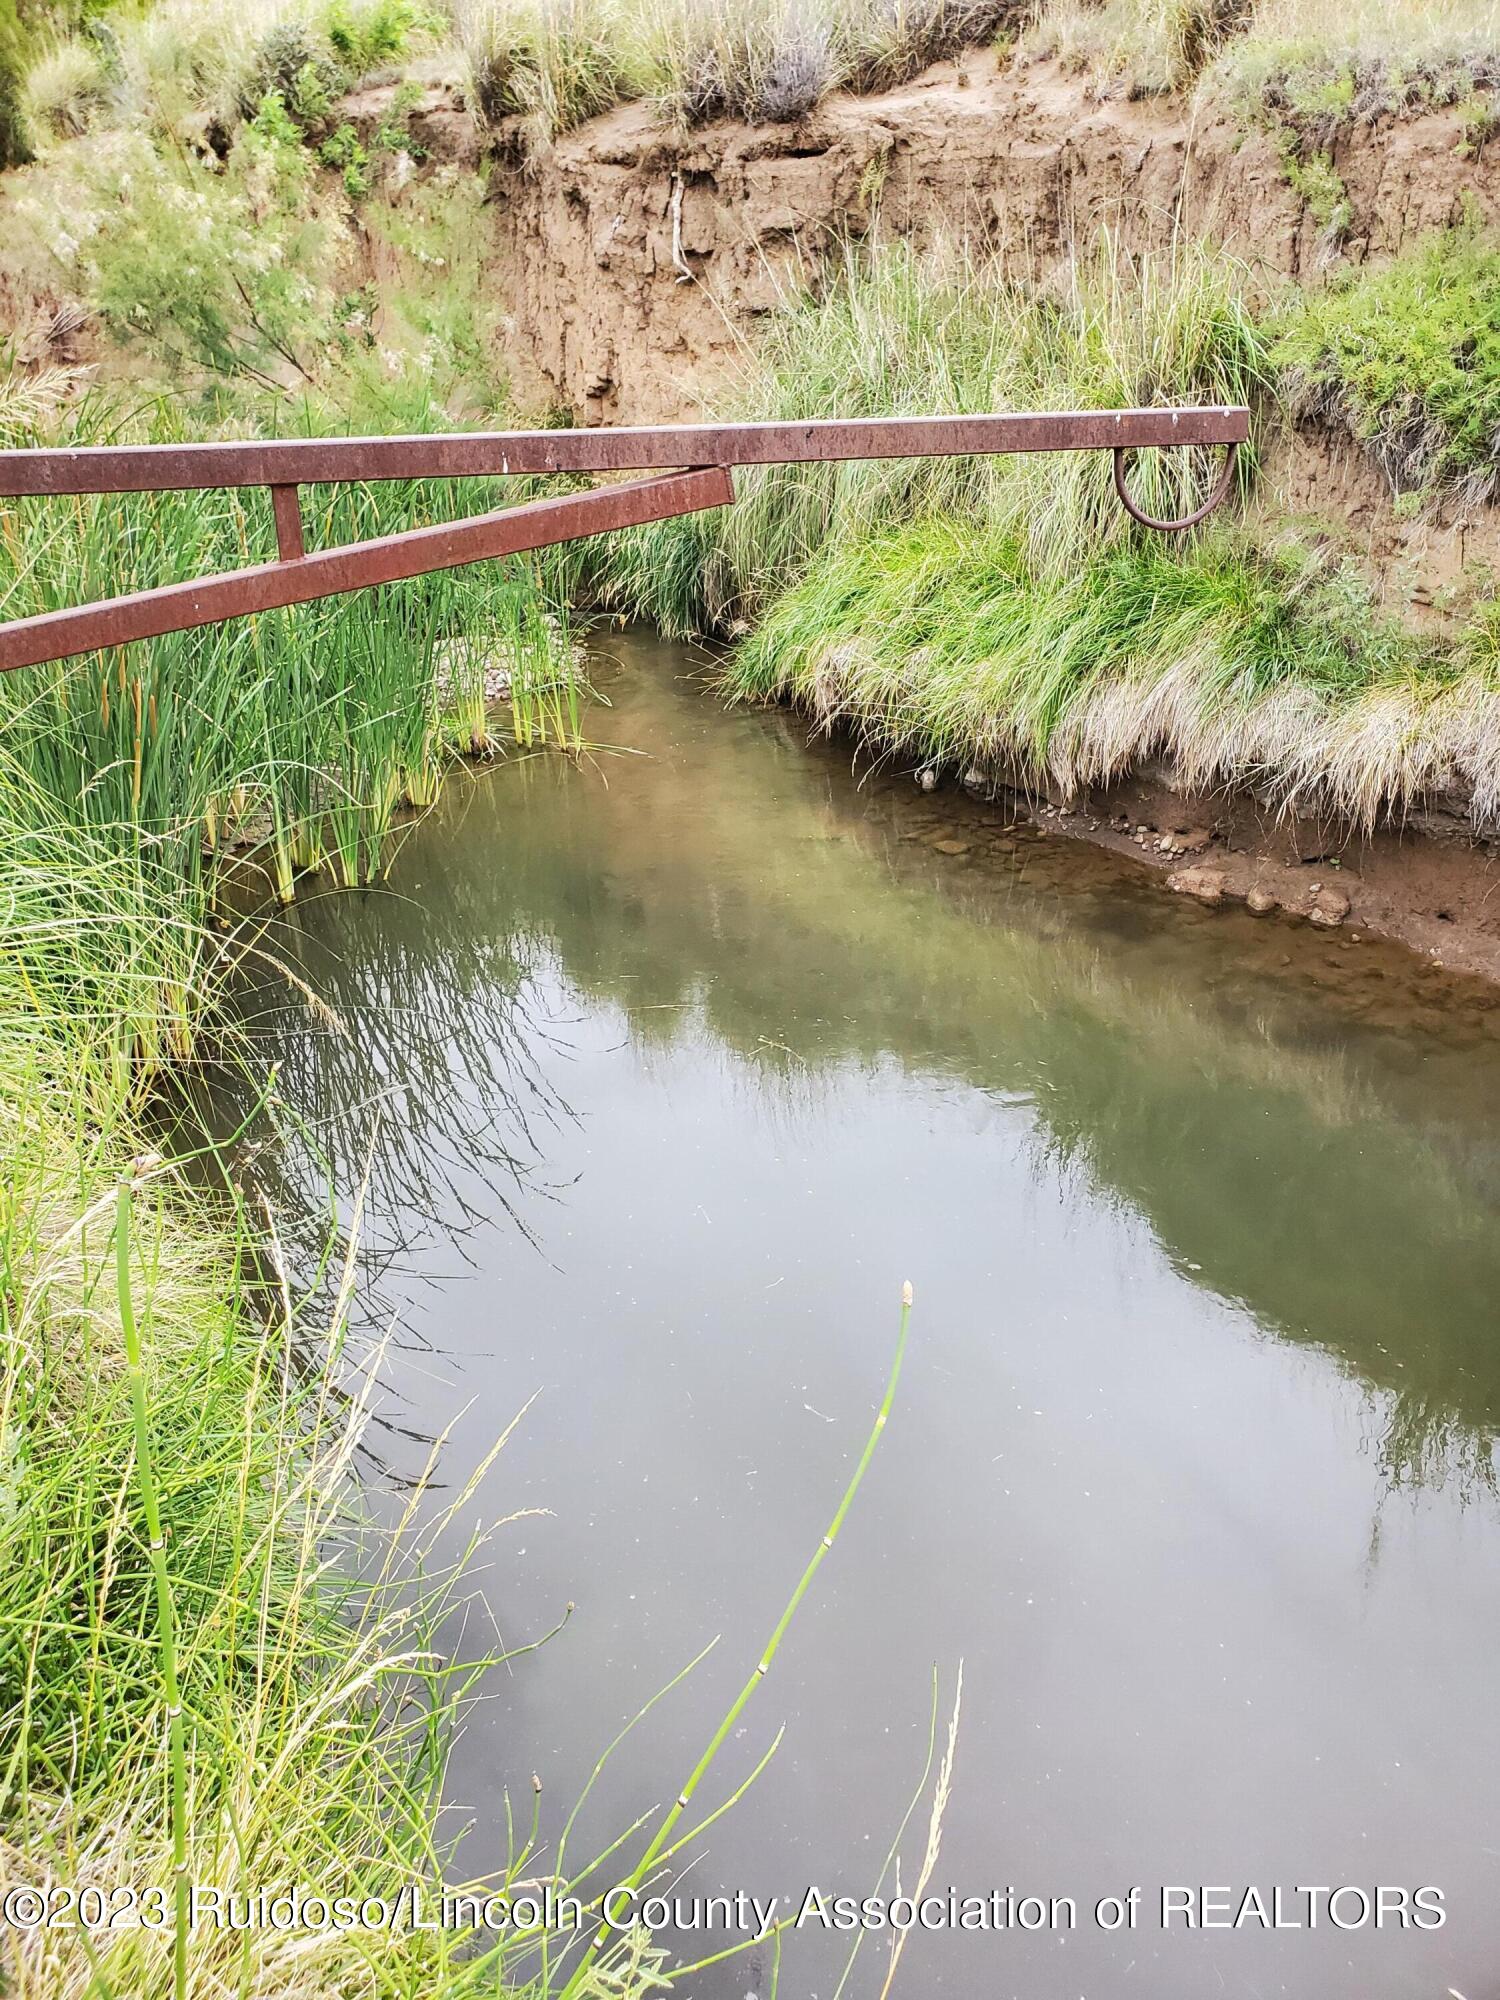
pixel 1143 47
pixel 1135 47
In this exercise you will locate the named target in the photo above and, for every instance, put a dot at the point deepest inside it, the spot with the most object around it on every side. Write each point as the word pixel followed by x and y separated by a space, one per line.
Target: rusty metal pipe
pixel 1217 493
pixel 174 607
pixel 285 462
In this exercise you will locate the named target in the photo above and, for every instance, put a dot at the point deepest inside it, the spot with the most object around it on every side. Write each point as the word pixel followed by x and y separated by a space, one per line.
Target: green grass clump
pixel 188 73
pixel 1405 359
pixel 177 1503
pixel 552 65
pixel 1006 612
pixel 894 333
pixel 16 56
pixel 1253 666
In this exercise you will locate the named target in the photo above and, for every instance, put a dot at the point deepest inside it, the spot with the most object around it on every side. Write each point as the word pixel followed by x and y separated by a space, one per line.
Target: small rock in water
pixel 1260 902
pixel 1329 908
pixel 973 780
pixel 927 777
pixel 1207 884
pixel 951 846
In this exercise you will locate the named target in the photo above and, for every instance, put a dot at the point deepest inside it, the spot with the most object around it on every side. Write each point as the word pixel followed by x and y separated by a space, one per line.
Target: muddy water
pixel 676 1066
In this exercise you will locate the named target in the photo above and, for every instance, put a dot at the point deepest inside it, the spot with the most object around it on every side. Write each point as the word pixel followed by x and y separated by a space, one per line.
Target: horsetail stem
pixel 166 1619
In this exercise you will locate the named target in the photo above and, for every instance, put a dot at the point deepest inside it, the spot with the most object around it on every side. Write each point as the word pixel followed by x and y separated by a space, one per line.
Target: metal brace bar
pixel 174 607
pixel 478 454
pixel 286 505
pixel 285 464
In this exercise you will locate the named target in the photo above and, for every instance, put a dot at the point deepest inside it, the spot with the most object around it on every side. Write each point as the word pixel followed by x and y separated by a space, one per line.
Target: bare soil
pixel 1431 887
pixel 638 259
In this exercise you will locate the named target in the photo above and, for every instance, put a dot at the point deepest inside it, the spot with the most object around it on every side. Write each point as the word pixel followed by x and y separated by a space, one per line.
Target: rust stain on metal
pixel 285 464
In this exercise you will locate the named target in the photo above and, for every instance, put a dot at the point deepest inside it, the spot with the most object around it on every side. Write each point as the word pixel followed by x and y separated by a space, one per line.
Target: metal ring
pixel 1188 520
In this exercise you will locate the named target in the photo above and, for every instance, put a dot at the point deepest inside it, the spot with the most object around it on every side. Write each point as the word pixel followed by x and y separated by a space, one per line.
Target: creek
pixel 662 1072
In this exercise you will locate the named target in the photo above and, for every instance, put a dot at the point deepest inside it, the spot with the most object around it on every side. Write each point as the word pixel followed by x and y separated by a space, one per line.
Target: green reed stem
pixel 701 1769
pixel 166 1618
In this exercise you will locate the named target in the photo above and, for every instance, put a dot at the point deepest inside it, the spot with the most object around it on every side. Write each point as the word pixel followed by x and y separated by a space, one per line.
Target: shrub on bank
pixel 191 72
pixel 1404 358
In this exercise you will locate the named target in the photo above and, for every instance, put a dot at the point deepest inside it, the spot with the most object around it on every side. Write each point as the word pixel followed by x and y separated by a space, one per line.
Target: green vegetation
pixel 1318 65
pixel 13 61
pixel 187 72
pixel 1306 66
pixel 298 734
pixel 1405 359
pixel 201 1648
pixel 896 334
pixel 149 1382
pixel 193 73
pixel 1244 665
pixel 233 268
pixel 1006 613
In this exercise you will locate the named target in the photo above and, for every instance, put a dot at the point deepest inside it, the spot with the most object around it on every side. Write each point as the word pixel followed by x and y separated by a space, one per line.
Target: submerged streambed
pixel 677 1064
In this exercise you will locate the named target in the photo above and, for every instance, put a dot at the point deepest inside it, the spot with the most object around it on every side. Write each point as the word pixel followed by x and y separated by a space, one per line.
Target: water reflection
pixel 1203 1216
pixel 1308 1127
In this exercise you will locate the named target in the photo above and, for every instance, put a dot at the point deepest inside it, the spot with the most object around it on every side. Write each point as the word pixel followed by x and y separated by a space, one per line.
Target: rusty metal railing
pixel 709 451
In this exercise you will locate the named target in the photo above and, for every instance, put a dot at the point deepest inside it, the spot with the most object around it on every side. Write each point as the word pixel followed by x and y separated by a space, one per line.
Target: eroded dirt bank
pixel 637 260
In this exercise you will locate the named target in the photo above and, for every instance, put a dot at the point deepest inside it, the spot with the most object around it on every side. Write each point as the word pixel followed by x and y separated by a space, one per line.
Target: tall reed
pixel 300 734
